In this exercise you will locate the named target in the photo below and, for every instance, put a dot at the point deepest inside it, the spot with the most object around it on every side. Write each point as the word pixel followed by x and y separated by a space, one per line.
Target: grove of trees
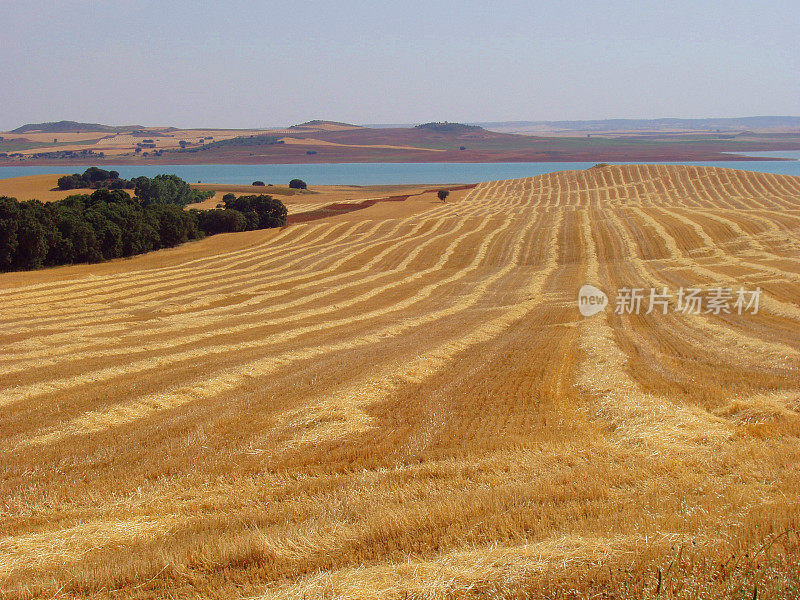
pixel 95 178
pixel 167 189
pixel 109 223
pixel 260 211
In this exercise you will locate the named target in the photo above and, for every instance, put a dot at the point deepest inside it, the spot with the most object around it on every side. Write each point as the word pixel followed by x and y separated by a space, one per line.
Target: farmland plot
pixel 371 407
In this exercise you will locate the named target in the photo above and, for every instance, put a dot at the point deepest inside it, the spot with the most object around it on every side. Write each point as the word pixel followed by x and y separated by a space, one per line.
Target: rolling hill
pixel 405 402
pixel 71 127
pixel 320 141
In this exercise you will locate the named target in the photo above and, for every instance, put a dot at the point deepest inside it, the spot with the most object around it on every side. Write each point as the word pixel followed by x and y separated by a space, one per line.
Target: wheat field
pixel 411 406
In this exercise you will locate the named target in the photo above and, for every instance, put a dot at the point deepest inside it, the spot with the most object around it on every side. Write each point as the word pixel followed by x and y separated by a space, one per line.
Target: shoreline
pixel 562 159
pixel 180 158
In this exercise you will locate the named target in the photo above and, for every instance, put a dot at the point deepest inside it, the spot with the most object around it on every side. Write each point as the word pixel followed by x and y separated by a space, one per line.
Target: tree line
pixel 161 189
pixel 95 178
pixel 109 223
pixel 242 213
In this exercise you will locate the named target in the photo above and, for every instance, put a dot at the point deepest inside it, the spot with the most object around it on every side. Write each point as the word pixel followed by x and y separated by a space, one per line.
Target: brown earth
pixel 336 144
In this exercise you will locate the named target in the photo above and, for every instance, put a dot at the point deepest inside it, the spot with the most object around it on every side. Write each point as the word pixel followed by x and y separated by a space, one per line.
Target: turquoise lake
pixel 380 173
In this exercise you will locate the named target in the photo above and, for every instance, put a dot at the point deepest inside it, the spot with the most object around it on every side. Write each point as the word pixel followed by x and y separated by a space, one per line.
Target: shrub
pixel 93 177
pixel 260 211
pixel 175 225
pixel 167 189
pixel 443 194
pixel 212 222
pixel 70 182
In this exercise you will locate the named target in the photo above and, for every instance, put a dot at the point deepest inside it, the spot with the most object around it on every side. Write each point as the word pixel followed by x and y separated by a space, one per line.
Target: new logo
pixel 591 300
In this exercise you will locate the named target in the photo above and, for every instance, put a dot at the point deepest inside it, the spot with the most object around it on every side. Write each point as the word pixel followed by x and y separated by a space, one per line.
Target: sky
pixel 257 64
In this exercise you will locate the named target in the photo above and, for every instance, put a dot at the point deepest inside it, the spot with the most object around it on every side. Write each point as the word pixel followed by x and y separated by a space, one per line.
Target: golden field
pixel 116 144
pixel 44 188
pixel 404 402
pixel 123 142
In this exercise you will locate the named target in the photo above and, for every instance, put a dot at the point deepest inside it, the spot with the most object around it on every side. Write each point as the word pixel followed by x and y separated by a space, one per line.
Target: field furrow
pixel 368 407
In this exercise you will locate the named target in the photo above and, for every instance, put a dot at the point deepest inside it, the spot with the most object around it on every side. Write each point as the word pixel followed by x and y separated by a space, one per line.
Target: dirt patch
pixel 341 208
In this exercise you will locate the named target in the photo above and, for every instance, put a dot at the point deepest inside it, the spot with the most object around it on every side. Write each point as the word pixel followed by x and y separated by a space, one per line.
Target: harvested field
pixel 44 188
pixel 404 402
pixel 40 187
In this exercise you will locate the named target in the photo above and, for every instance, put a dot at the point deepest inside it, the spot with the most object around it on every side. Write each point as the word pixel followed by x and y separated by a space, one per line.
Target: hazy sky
pixel 253 64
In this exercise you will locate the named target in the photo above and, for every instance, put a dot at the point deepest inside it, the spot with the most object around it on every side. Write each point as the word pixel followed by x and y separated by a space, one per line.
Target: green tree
pixel 269 211
pixel 31 236
pixel 109 223
pixel 95 174
pixel 9 221
pixel 167 189
pixel 70 182
pixel 212 222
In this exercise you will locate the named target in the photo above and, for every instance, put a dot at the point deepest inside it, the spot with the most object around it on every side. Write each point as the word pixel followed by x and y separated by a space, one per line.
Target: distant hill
pixel 72 127
pixel 737 124
pixel 446 127
pixel 320 123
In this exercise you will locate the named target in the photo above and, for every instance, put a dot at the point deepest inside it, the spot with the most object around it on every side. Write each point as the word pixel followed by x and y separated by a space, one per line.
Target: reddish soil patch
pixel 340 208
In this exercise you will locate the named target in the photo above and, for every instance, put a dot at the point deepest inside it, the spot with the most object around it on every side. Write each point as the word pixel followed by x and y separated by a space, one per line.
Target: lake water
pixel 795 154
pixel 380 173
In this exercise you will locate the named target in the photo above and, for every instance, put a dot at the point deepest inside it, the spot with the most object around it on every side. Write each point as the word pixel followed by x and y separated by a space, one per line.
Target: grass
pixel 412 407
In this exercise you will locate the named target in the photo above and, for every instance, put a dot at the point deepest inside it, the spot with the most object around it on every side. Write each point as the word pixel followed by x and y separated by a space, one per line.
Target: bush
pixel 443 194
pixel 175 225
pixel 260 211
pixel 70 182
pixel 212 222
pixel 167 189
pixel 259 183
pixel 297 184
pixel 93 177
